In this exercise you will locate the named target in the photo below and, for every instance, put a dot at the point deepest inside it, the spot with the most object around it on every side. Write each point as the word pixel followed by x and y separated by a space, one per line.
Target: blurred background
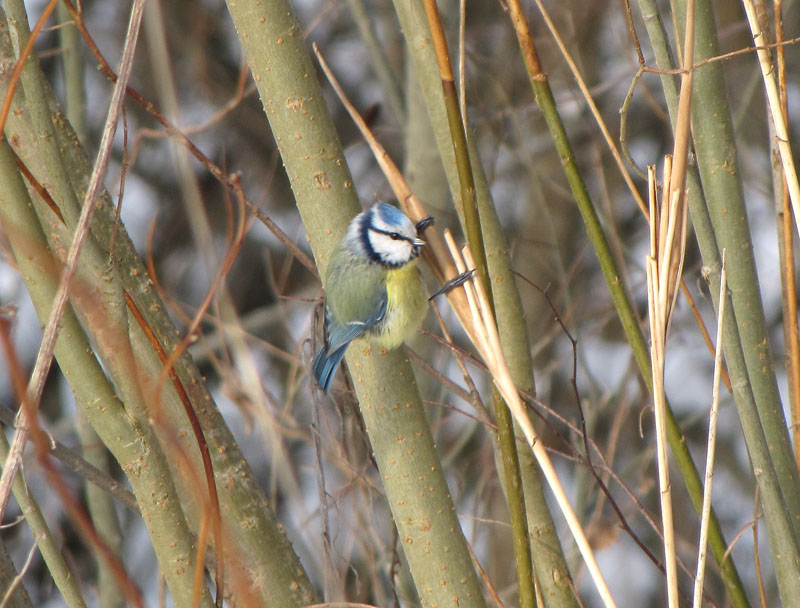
pixel 190 64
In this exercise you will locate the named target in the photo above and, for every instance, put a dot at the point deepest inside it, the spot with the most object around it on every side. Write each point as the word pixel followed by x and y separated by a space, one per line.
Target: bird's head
pixel 386 235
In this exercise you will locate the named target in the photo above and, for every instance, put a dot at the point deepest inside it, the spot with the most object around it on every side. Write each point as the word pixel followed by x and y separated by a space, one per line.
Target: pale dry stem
pixel 705 517
pixel 774 102
pixel 668 225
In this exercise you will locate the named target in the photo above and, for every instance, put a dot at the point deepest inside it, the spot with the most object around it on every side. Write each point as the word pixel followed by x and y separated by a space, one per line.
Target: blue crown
pixel 391 215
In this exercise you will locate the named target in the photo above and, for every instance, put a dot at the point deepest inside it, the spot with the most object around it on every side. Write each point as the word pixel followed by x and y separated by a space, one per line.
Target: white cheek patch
pixel 391 251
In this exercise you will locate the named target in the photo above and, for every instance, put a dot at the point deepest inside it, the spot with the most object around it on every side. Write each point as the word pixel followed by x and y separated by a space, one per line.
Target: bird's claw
pixel 425 223
pixel 456 281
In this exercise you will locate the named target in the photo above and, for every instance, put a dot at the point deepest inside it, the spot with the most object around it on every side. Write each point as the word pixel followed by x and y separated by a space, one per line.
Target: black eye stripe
pixel 385 257
pixel 395 236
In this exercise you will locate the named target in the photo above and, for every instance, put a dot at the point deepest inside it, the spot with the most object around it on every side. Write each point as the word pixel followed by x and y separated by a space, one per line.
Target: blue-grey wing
pixel 339 335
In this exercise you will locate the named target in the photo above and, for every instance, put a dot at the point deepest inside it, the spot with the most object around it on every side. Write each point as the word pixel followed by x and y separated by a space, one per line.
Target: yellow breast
pixel 406 306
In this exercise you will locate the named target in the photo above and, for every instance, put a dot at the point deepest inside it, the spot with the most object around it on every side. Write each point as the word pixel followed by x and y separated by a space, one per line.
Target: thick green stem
pixel 548 560
pixel 104 515
pixel 378 59
pixel 413 478
pixel 253 535
pixel 74 87
pixel 45 540
pixel 510 469
pixel 143 462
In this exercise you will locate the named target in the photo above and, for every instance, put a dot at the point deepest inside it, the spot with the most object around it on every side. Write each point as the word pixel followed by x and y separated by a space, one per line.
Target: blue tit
pixel 372 287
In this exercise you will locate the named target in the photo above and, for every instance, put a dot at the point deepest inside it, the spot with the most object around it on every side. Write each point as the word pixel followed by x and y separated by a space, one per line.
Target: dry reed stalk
pixel 668 225
pixel 775 107
pixel 483 333
pixel 702 545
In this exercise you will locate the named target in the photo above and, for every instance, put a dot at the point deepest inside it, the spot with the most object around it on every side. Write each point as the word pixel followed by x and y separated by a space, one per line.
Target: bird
pixel 373 289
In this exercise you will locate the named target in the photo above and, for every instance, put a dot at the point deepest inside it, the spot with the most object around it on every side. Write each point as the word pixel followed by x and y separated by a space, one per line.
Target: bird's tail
pixel 325 364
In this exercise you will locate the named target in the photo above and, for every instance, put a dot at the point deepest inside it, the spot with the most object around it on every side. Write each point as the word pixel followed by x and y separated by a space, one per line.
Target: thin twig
pixel 722 57
pixel 18 578
pixel 329 566
pixel 81 467
pixel 592 106
pixel 756 557
pixel 473 396
pixel 623 125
